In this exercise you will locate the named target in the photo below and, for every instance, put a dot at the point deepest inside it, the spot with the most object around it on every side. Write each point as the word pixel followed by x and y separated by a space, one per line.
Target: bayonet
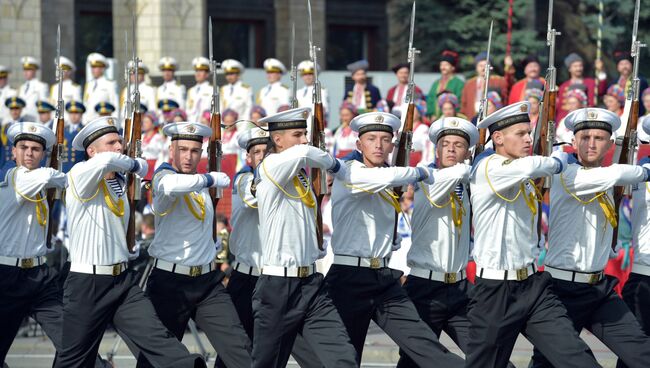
pixel 294 69
pixel 215 153
pixel 483 103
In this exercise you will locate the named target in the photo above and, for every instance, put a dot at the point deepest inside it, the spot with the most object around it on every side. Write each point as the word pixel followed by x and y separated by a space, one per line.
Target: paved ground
pixel 380 351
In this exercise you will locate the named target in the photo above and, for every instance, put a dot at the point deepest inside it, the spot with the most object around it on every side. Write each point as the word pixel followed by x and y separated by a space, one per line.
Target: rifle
pixel 134 150
pixel 405 143
pixel 57 150
pixel 625 152
pixel 214 145
pixel 294 69
pixel 482 113
pixel 129 107
pixel 318 176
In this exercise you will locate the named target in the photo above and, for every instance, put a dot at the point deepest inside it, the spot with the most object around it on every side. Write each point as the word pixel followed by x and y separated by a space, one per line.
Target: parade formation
pixel 277 236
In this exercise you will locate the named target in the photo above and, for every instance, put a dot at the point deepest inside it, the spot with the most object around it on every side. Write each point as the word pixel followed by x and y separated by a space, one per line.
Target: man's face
pixel 110 142
pixel 284 139
pixel 232 78
pixel 74 117
pixel 532 70
pixel 402 75
pixel 513 141
pixel 3 81
pixel 185 155
pixel 451 150
pixel 308 79
pixel 255 155
pixel 67 74
pixel 15 113
pixel 44 117
pixel 576 69
pixel 624 67
pixel 200 76
pixel 273 77
pixel 140 78
pixel 480 68
pixel 359 76
pixel 446 68
pixel 97 71
pixel 591 145
pixel 375 147
pixel 167 75
pixel 28 154
pixel 29 73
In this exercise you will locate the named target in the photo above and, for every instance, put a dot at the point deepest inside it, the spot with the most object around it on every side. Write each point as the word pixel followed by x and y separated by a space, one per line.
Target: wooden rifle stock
pixel 57 151
pixel 126 135
pixel 214 163
pixel 404 147
pixel 131 180
pixel 316 179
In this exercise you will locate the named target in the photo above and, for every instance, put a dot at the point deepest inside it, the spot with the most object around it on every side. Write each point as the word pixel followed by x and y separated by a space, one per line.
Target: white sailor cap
pixel 232 66
pixel 375 122
pixel 643 134
pixel 29 63
pixel 32 132
pixel 306 67
pixel 453 126
pixel 252 137
pixel 97 60
pixel 167 63
pixel 66 64
pixel 272 65
pixel 592 118
pixel 187 131
pixel 201 63
pixel 289 119
pixel 142 67
pixel 4 71
pixel 95 129
pixel 506 116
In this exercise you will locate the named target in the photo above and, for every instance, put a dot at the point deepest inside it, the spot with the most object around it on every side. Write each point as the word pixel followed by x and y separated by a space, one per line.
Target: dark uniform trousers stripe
pixel 283 307
pixel 177 298
pixel 600 310
pixel 636 294
pixel 90 302
pixel 361 294
pixel 240 288
pixel 500 310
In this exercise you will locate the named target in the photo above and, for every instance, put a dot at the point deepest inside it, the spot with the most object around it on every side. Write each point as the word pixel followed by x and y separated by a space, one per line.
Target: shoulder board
pixel 353 156
pixel 573 159
pixel 245 85
pixel 165 166
pixel 285 86
pixel 245 170
pixel 477 160
pixel 644 160
pixel 4 172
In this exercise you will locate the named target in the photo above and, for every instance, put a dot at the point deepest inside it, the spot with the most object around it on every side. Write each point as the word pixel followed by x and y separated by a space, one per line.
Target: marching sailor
pixel 581 222
pixel 99 288
pixel 364 207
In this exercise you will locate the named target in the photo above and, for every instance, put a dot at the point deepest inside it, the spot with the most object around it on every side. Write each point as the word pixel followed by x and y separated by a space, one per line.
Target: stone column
pixel 20 35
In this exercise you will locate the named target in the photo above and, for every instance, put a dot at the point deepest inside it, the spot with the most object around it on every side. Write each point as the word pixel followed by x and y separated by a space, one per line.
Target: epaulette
pixel 353 156
pixel 245 170
pixel 245 85
pixel 487 153
pixel 573 159
pixel 165 166
pixel 284 85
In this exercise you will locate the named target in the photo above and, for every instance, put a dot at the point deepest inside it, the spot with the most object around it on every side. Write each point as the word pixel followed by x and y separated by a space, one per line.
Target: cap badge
pixel 305 114
pixel 592 115
pixel 379 119
pixel 524 108
pixel 190 129
pixel 32 128
pixel 110 122
pixel 454 123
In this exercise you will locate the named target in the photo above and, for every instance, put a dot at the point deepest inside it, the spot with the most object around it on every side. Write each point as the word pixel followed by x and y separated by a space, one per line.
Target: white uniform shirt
pixel 362 214
pixel 237 97
pixel 147 97
pixel 180 236
pixel 245 242
pixel 305 98
pixel 287 224
pixel 641 224
pixel 580 236
pixel 436 243
pixel 70 91
pixel 96 91
pixel 21 235
pixel 32 91
pixel 505 233
pixel 5 93
pixel 170 90
pixel 97 235
pixel 272 96
pixel 199 99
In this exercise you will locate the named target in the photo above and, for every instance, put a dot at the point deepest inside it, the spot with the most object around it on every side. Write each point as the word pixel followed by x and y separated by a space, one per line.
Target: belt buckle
pixel 303 272
pixel 522 274
pixel 375 262
pixel 117 269
pixel 27 263
pixel 196 271
pixel 594 278
pixel 450 277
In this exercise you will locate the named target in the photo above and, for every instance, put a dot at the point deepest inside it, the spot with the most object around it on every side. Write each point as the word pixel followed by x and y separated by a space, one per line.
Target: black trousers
pixel 361 294
pixel 240 288
pixel 636 294
pixel 90 302
pixel 30 292
pixel 177 298
pixel 600 310
pixel 283 307
pixel 500 310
